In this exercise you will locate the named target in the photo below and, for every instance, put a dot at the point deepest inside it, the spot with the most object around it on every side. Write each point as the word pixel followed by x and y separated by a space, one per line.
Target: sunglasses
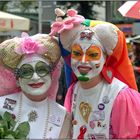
pixel 26 71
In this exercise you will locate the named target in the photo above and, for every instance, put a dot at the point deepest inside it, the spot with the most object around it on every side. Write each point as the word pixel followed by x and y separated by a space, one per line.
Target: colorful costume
pixel 96 51
pixel 32 64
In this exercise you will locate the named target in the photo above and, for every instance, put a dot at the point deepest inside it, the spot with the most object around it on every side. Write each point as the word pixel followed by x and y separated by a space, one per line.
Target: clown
pixel 34 60
pixel 102 94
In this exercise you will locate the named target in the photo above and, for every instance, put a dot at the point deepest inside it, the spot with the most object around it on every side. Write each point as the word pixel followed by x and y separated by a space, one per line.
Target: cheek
pixel 74 63
pixel 98 64
pixel 47 79
pixel 24 81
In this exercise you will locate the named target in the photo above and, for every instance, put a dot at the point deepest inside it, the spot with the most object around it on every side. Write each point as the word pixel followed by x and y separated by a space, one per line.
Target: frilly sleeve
pixel 125 118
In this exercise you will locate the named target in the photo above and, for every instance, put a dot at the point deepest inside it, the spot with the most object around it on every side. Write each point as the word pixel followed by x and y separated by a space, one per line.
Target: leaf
pixel 22 130
pixel 1 133
pixel 4 125
pixel 7 116
pixel 12 124
pixel 9 136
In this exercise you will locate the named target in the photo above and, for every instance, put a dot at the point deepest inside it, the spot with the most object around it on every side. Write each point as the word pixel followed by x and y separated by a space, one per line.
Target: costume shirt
pixel 92 109
pixel 43 123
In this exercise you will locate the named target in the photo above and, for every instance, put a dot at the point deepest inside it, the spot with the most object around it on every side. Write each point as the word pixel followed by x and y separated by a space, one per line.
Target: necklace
pixel 46 118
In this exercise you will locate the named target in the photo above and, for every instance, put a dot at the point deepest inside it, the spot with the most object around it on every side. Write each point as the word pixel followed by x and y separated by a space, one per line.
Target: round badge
pixel 74 122
pixel 92 124
pixel 105 100
pixel 101 106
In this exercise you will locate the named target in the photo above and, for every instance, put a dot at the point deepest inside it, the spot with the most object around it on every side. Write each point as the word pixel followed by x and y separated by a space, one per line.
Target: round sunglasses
pixel 26 71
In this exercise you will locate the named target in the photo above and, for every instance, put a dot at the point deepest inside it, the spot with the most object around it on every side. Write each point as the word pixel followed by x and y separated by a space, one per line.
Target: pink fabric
pixel 68 98
pixel 7 81
pixel 125 119
pixel 52 92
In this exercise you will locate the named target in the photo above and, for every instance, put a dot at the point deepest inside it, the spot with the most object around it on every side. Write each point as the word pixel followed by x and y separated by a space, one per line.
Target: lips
pixel 84 69
pixel 36 85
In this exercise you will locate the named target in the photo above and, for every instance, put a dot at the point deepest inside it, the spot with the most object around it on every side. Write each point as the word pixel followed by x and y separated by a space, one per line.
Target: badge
pixel 83 130
pixel 32 116
pixel 97 115
pixel 9 104
pixel 105 99
pixel 101 106
pixel 92 124
pixel 74 122
pixel 85 110
pixel 56 120
pixel 99 124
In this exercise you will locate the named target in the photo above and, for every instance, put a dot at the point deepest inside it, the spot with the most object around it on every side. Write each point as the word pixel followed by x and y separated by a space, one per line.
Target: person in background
pixel 135 42
pixel 62 90
pixel 34 61
pixel 102 94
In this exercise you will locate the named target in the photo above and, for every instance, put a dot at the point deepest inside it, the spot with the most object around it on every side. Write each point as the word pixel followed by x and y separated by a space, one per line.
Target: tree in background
pixel 19 5
pixel 85 8
pixel 3 5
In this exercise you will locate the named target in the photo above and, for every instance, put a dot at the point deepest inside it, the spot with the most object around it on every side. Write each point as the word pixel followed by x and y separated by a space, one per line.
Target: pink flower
pixel 29 46
pixel 71 20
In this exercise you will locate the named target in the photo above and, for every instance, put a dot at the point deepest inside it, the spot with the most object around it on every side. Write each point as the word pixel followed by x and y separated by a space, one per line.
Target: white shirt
pixel 44 124
pixel 93 109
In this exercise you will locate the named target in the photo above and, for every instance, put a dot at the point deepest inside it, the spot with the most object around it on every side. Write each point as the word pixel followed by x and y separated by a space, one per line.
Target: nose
pixel 35 76
pixel 84 59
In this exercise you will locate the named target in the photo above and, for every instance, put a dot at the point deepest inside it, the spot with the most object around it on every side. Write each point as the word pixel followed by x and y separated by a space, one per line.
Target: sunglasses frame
pixel 18 72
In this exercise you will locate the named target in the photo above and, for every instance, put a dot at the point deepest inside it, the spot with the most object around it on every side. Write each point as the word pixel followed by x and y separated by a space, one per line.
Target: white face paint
pixel 87 60
pixel 36 85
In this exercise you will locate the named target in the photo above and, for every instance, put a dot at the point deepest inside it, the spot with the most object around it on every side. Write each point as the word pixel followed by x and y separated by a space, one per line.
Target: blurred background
pixel 36 16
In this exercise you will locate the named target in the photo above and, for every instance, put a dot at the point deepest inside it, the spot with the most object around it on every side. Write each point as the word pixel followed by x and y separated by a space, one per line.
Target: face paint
pixel 87 60
pixel 36 85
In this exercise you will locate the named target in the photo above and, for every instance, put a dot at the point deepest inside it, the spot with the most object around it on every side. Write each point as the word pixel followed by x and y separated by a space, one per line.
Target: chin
pixel 37 92
pixel 83 78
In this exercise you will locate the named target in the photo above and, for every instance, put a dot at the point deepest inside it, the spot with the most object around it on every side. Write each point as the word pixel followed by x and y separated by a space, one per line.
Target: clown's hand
pixel 59 14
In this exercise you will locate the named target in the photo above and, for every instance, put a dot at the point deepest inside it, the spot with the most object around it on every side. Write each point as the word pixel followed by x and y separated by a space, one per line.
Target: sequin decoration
pixel 32 116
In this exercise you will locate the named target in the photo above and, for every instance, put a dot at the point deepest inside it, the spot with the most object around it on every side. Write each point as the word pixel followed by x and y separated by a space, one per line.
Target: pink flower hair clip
pixel 29 45
pixel 67 23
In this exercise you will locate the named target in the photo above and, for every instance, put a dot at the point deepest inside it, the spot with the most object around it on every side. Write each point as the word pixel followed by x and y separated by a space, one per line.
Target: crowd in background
pixel 133 45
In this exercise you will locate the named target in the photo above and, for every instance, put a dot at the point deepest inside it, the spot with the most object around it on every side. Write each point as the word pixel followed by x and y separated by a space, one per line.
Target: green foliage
pixel 3 5
pixel 9 129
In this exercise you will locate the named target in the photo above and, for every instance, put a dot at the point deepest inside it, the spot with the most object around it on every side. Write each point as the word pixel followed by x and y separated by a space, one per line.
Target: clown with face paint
pixel 34 62
pixel 102 94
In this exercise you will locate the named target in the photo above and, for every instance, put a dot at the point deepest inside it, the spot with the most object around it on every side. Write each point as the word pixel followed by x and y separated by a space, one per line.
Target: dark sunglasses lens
pixel 26 71
pixel 42 69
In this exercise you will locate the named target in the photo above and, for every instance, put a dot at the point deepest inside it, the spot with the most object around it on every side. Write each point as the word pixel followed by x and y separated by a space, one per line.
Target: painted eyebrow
pixel 79 47
pixel 90 46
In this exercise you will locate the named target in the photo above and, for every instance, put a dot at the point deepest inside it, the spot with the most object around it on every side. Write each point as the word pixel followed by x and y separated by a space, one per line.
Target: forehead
pixel 32 60
pixel 85 47
pixel 86 43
